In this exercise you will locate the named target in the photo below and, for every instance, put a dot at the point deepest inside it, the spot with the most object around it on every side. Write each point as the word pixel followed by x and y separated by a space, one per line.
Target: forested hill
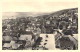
pixel 66 12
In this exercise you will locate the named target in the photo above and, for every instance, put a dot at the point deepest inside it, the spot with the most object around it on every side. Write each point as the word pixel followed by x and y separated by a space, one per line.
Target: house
pixel 15 46
pixel 67 32
pixel 6 38
pixel 6 46
pixel 25 37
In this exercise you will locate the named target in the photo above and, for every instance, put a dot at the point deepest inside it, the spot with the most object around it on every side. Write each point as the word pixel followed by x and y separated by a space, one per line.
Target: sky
pixel 37 6
pixel 10 8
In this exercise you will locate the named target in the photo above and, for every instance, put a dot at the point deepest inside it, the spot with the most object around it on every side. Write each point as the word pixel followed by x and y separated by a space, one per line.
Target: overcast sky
pixel 36 7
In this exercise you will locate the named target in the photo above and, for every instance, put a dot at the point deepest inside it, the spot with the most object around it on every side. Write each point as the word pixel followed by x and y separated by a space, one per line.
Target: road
pixel 50 43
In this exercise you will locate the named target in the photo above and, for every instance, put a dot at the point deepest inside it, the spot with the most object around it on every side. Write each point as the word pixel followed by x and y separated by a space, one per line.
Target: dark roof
pixel 67 32
pixel 27 33
pixel 65 41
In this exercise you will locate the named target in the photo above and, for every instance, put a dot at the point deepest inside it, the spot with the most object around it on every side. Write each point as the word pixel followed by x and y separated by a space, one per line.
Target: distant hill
pixel 13 15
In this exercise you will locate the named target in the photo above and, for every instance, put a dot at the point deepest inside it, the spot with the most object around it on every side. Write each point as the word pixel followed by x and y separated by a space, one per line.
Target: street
pixel 49 41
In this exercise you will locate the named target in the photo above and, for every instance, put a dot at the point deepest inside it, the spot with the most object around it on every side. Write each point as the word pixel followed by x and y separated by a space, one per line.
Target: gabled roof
pixel 7 45
pixel 25 37
pixel 7 38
